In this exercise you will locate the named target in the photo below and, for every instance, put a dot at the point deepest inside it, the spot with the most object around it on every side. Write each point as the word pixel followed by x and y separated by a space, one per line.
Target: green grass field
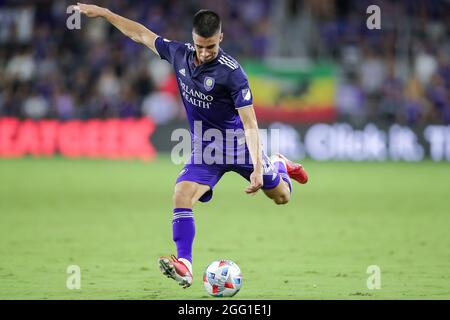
pixel 113 220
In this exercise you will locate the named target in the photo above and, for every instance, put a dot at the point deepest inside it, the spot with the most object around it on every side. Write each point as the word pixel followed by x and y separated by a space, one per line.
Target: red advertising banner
pixel 111 139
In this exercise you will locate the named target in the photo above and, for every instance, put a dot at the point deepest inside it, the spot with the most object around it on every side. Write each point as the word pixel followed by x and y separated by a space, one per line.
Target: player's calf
pixel 282 199
pixel 280 194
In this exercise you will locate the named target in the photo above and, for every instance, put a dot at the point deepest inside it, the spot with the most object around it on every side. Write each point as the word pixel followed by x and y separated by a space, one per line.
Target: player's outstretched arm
pixel 136 31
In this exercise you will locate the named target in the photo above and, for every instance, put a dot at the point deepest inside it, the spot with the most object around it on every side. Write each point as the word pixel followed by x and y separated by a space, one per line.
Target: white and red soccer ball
pixel 222 278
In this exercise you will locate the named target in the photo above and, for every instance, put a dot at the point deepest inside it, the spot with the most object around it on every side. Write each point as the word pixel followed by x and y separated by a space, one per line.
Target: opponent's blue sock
pixel 183 231
pixel 281 167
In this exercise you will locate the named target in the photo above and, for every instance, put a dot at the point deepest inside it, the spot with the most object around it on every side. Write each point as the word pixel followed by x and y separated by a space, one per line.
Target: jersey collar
pixel 213 61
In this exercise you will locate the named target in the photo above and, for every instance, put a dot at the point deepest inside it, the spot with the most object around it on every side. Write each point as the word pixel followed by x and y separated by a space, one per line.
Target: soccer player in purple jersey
pixel 217 96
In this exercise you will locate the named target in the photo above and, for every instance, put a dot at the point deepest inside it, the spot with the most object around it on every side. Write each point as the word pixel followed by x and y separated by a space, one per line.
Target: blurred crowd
pixel 399 73
pixel 48 70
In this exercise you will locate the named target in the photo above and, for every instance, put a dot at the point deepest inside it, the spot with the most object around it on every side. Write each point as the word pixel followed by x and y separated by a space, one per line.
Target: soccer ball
pixel 222 278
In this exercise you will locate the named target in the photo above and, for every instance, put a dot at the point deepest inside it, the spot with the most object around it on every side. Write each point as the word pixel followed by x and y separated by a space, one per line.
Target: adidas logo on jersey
pixel 183 71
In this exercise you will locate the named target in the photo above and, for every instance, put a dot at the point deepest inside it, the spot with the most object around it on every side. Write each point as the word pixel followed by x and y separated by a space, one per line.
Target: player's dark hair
pixel 206 23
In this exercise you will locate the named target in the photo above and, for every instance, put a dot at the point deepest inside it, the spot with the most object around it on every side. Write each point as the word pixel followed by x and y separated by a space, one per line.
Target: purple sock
pixel 283 173
pixel 183 231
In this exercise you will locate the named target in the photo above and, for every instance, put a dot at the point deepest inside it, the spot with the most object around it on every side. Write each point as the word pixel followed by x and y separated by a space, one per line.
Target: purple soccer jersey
pixel 212 93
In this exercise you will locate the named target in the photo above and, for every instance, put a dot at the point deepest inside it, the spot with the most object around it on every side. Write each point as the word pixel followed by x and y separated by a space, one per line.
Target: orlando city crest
pixel 209 83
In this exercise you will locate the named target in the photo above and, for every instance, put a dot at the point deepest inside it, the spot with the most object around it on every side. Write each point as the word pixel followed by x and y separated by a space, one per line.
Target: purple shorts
pixel 211 174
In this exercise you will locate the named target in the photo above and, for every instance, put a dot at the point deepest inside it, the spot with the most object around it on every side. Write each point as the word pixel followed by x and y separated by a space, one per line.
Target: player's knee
pixel 182 197
pixel 282 199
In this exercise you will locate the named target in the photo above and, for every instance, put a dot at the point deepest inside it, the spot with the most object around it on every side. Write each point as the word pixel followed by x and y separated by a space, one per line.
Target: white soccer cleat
pixel 178 269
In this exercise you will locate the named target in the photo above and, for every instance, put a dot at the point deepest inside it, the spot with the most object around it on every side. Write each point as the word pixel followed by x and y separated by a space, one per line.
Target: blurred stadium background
pixel 367 111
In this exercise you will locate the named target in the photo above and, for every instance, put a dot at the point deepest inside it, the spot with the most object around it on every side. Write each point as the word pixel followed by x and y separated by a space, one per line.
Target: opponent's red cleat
pixel 176 269
pixel 295 170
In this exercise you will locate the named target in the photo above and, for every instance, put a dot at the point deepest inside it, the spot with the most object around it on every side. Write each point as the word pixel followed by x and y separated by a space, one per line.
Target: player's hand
pixel 90 10
pixel 256 182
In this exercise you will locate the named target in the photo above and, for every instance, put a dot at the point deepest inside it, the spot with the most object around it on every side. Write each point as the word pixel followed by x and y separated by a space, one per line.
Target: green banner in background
pixel 293 94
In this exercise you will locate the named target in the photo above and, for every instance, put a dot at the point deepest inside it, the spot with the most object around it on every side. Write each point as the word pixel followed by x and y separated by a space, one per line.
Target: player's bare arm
pixel 136 31
pixel 248 117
